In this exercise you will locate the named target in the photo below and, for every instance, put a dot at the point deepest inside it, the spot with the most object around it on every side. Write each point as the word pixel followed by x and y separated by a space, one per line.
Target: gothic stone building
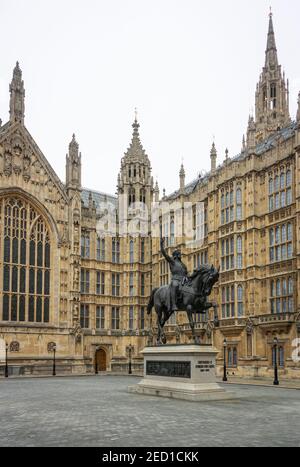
pixel 62 284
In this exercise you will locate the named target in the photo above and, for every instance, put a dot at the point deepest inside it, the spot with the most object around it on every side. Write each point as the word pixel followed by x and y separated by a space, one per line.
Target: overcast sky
pixel 189 66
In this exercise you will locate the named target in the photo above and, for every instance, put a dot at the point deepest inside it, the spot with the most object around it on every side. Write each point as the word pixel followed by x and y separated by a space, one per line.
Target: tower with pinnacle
pixel 135 181
pixel 272 93
pixel 17 97
pixel 298 109
pixel 73 165
pixel 213 158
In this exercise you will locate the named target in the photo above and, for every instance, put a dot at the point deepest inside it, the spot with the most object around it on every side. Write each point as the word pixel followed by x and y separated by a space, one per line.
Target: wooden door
pixel 101 360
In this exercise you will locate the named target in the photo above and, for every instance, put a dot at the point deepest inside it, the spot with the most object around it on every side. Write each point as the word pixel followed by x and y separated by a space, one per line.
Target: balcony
pixel 198 327
pixel 280 320
pixel 233 325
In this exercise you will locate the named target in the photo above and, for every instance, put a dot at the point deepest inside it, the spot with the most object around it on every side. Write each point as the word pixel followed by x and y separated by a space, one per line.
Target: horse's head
pixel 207 277
pixel 210 279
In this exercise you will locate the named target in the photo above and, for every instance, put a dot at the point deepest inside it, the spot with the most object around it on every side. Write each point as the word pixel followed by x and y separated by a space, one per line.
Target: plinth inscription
pixel 169 369
pixel 205 366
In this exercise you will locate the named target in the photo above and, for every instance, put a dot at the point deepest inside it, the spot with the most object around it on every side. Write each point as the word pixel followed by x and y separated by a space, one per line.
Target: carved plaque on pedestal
pixel 168 369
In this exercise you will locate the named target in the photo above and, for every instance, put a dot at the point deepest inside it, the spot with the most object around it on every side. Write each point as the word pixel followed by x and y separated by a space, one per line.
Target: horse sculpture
pixel 192 299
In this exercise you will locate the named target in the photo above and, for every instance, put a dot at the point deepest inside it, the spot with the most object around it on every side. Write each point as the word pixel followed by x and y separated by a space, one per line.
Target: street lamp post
pixel 225 367
pixel 130 349
pixel 276 380
pixel 54 361
pixel 96 361
pixel 6 361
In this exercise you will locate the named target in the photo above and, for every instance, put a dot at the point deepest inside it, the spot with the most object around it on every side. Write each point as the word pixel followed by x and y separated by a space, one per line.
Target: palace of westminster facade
pixel 63 284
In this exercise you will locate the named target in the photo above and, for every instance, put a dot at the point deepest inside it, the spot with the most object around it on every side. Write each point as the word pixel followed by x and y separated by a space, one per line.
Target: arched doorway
pixel 100 360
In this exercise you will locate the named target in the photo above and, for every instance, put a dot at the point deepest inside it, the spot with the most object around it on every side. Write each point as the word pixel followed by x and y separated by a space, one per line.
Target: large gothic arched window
pixel 131 199
pixel 25 258
pixel 143 196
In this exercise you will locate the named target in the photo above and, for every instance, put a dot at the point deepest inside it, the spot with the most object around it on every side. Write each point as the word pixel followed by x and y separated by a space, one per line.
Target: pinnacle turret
pixel 271 50
pixel 156 192
pixel 243 144
pixel 272 93
pixel 251 132
pixel 74 148
pixel 17 96
pixel 182 179
pixel 298 111
pixel 213 158
pixel 136 150
pixel 73 165
pixel 135 180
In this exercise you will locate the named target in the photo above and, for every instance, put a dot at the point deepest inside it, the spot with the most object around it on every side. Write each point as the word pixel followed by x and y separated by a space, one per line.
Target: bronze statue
pixel 186 293
pixel 179 274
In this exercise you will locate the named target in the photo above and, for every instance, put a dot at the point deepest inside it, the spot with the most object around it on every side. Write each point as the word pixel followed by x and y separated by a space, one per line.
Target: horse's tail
pixel 151 301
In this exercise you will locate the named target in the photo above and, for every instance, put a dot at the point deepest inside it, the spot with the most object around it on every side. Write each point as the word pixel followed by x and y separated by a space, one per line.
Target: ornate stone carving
pixel 51 346
pixel 76 277
pixel 14 347
pixel 75 311
pixel 7 163
pixel 26 167
pixel 17 158
pixel 249 327
pixel 77 333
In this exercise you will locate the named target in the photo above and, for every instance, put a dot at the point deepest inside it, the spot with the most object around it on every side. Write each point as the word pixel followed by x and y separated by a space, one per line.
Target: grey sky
pixel 189 66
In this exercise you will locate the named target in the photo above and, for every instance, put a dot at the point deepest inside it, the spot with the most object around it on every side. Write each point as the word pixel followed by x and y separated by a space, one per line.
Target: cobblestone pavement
pixel 98 411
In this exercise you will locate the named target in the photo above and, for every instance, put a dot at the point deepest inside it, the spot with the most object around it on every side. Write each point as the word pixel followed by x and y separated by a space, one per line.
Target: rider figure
pixel 179 273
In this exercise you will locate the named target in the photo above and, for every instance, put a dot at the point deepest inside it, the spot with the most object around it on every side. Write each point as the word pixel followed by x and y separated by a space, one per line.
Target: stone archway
pixel 100 359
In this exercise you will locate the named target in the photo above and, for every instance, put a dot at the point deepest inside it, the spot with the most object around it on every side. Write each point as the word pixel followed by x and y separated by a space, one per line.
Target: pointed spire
pixel 243 144
pixel 182 179
pixel 213 158
pixel 271 50
pixel 298 111
pixel 73 165
pixel 272 93
pixel 251 132
pixel 156 192
pixel 136 126
pixel 17 96
pixel 136 148
pixel 73 148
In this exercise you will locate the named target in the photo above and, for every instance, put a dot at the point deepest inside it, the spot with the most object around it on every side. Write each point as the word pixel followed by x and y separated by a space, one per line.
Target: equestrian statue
pixel 185 293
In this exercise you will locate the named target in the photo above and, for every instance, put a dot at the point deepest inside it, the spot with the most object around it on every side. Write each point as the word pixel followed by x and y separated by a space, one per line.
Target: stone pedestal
pixel 181 372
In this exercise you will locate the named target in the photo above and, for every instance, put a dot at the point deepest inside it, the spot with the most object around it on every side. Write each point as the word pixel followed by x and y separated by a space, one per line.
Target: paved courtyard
pixel 98 411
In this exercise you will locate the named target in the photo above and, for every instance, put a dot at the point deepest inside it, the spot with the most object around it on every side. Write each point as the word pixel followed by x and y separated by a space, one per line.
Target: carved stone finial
pixel 213 157
pixel 298 111
pixel 73 164
pixel 17 97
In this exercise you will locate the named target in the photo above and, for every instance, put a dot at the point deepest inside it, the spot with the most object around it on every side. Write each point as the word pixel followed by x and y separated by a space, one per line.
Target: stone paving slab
pixel 98 411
